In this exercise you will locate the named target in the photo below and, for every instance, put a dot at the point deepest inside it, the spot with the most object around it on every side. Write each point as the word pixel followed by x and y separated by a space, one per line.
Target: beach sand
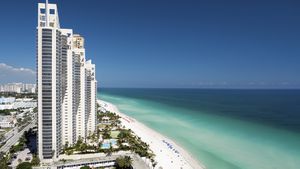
pixel 169 155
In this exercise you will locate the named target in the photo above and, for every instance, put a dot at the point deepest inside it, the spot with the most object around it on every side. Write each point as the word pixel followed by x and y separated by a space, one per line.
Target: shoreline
pixel 168 154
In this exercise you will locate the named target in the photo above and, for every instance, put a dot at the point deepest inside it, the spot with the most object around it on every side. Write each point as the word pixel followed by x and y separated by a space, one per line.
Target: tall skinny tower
pixel 66 86
pixel 90 101
pixel 49 66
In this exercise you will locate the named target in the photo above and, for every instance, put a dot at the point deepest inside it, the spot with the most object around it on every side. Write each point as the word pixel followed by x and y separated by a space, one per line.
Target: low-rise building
pixel 7 100
pixel 6 121
pixel 24 104
pixel 6 106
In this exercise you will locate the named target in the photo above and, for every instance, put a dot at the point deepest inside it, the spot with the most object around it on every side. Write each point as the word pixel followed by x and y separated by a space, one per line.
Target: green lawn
pixel 7 129
pixel 114 134
pixel 102 126
pixel 4 130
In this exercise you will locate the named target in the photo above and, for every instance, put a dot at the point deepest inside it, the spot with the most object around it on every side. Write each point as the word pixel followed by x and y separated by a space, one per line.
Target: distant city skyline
pixel 161 44
pixel 18 87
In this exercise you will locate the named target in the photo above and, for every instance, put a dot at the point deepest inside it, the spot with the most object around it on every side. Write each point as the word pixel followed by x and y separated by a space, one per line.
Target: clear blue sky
pixel 136 43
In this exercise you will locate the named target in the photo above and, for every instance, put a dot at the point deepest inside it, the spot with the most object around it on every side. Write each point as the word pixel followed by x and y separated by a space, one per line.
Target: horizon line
pixel 205 88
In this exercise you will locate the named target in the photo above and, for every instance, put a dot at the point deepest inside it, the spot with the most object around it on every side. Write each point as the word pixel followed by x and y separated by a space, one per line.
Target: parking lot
pixel 24 155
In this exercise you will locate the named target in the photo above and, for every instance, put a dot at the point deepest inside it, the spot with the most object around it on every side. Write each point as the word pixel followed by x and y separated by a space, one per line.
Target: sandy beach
pixel 169 155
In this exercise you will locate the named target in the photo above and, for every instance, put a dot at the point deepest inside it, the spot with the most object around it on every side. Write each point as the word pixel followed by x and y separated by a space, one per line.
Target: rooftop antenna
pixel 46 12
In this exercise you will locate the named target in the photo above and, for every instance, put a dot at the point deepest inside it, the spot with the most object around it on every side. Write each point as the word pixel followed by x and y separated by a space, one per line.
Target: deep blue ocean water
pixel 221 128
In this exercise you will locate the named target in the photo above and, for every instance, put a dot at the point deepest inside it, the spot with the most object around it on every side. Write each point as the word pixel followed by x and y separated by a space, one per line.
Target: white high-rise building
pixel 91 91
pixel 18 88
pixel 79 56
pixel 49 80
pixel 66 86
pixel 68 116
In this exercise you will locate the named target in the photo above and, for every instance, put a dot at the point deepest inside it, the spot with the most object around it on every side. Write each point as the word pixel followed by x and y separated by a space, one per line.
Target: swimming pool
pixel 106 143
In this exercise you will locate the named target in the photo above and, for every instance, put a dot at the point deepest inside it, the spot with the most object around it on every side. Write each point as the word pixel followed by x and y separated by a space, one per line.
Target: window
pixel 43 18
pixel 52 11
pixel 42 10
pixel 42 24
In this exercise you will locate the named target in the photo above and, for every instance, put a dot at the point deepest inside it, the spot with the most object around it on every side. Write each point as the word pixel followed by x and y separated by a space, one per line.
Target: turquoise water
pixel 234 130
pixel 106 144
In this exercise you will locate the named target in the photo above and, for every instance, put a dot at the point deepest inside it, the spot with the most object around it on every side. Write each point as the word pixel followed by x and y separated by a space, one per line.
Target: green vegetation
pixel 19 146
pixel 24 165
pixel 6 112
pixel 114 134
pixel 106 133
pixel 3 164
pixel 126 141
pixel 80 147
pixel 113 118
pixel 18 95
pixel 124 162
pixel 124 134
pixel 35 161
pixel 35 110
pixel 2 133
pixel 7 129
pixel 136 144
pixel 3 160
pixel 25 120
pixel 85 167
pixel 5 157
pixel 23 141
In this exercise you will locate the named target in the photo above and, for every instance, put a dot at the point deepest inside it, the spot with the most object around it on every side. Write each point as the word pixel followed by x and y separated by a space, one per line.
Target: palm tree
pixel 83 147
pixel 120 163
pixel 128 161
pixel 124 162
pixel 110 150
pixel 35 160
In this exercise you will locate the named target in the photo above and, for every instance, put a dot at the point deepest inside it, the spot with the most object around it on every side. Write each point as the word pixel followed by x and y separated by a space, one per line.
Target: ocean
pixel 223 129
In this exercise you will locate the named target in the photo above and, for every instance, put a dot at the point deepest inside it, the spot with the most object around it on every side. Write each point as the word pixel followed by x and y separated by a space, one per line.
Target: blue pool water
pixel 106 144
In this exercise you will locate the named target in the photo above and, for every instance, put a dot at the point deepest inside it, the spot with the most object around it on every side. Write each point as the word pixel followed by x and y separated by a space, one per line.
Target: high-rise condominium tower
pixel 66 86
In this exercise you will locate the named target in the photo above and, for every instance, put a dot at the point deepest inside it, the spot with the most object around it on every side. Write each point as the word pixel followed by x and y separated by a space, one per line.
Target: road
pixel 9 134
pixel 14 139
